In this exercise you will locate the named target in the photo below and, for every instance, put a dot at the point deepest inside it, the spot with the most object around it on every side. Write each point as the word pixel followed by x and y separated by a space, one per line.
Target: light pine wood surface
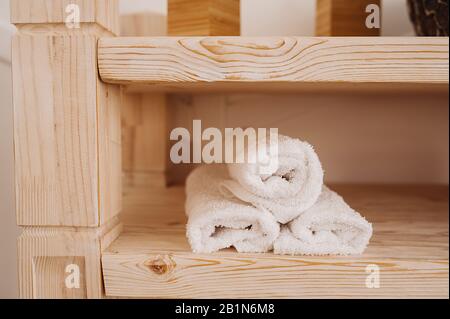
pixel 145 116
pixel 109 103
pixel 52 269
pixel 66 121
pixel 344 18
pixel 152 258
pixel 68 162
pixel 203 17
pixel 45 252
pixel 67 142
pixel 101 12
pixel 55 152
pixel 276 61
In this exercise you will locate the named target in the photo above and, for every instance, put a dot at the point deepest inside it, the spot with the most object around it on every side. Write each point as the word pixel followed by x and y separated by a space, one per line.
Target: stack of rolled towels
pixel 289 211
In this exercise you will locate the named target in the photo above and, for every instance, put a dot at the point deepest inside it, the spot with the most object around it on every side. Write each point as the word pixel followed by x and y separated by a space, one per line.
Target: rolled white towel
pixel 289 189
pixel 330 227
pixel 216 222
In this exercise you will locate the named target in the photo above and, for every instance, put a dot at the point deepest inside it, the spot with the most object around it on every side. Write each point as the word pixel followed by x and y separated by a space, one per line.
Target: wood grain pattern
pixel 65 119
pixel 218 61
pixel 204 17
pixel 410 245
pixel 109 150
pixel 55 130
pixel 43 253
pixel 67 146
pixel 344 18
pixel 101 12
pixel 66 122
pixel 53 269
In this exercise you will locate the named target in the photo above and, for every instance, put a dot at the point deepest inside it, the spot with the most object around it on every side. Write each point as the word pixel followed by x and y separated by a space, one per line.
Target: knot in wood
pixel 160 264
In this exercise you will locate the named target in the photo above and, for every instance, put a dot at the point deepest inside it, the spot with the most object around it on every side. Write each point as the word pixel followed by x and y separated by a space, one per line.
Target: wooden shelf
pixel 152 258
pixel 274 63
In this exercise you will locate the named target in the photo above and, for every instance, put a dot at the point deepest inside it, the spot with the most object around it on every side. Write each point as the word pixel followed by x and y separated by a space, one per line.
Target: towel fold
pixel 289 189
pixel 329 227
pixel 216 222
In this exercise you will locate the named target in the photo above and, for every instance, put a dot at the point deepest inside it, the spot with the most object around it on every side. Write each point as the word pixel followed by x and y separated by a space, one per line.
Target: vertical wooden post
pixel 67 146
pixel 344 17
pixel 144 118
pixel 204 17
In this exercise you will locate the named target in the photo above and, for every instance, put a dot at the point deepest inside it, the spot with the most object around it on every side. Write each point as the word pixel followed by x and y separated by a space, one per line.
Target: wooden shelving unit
pixel 273 63
pixel 152 257
pixel 68 164
pixel 410 245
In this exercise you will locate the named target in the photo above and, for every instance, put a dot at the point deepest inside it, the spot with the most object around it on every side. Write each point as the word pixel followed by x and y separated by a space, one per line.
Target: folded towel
pixel 329 227
pixel 291 188
pixel 217 222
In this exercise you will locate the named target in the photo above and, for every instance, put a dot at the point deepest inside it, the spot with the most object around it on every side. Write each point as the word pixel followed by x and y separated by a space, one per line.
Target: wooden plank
pixel 66 122
pixel 55 130
pixel 344 18
pixel 59 133
pixel 288 88
pixel 152 258
pixel 204 17
pixel 45 252
pixel 109 150
pixel 57 269
pixel 67 147
pixel 206 62
pixel 101 12
pixel 224 18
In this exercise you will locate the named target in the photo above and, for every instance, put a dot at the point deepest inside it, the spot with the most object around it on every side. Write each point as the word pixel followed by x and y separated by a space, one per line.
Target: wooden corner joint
pixel 63 262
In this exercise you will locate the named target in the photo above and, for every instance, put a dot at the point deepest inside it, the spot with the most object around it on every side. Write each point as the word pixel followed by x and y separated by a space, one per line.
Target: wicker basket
pixel 430 17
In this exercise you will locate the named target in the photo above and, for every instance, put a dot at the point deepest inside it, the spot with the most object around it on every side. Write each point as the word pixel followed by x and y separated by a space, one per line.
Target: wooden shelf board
pixel 289 87
pixel 152 257
pixel 273 63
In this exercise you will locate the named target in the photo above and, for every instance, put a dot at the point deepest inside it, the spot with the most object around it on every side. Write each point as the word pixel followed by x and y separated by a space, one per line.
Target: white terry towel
pixel 330 227
pixel 289 190
pixel 217 222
